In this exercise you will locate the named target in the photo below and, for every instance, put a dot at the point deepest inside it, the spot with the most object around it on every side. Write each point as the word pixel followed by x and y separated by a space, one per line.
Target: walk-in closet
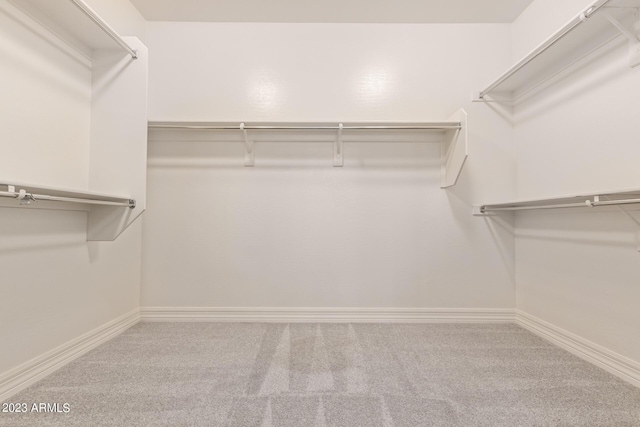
pixel 330 214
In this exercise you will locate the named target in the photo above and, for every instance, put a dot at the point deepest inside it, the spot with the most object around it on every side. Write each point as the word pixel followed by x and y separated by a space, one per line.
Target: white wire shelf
pixel 452 134
pixel 320 126
pixel 588 200
pixel 76 23
pixel 30 194
pixel 595 26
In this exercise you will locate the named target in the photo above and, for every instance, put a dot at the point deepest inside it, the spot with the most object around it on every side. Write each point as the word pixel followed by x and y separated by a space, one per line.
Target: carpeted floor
pixel 351 375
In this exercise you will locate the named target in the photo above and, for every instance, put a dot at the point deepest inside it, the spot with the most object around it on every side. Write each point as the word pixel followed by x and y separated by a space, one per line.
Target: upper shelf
pixel 76 23
pixel 592 28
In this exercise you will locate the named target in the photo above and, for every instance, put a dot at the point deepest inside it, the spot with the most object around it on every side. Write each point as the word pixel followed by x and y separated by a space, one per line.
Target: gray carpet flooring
pixel 347 375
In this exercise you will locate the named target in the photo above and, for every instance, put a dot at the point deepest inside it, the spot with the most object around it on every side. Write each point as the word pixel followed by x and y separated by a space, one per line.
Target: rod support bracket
pixel 249 158
pixel 592 203
pixel 338 155
pixel 628 29
pixel 24 197
pixel 479 211
pixel 132 204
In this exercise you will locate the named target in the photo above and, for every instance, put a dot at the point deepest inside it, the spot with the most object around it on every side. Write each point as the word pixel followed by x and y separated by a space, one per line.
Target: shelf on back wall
pixel 594 27
pixel 451 134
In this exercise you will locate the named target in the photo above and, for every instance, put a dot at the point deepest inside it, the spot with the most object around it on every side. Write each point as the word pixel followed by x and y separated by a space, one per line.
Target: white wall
pixel 579 270
pixel 44 118
pixel 294 231
pixel 541 19
pixel 122 16
pixel 55 285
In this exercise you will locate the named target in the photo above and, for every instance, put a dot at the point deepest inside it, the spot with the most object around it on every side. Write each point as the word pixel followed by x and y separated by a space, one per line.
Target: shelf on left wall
pixel 19 194
pixel 114 192
pixel 77 24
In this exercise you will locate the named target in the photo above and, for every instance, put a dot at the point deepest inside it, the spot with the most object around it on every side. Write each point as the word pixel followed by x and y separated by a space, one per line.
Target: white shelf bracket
pixel 632 218
pixel 590 203
pixel 476 97
pixel 629 31
pixel 249 158
pixel 637 222
pixel 338 158
pixel 455 151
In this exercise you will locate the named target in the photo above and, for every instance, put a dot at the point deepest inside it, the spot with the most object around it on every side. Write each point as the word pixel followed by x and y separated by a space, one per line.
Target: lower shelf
pixel 108 214
pixel 589 200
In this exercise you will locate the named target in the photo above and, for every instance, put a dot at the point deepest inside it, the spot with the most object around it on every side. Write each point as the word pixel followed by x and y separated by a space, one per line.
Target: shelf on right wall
pixel 597 25
pixel 586 200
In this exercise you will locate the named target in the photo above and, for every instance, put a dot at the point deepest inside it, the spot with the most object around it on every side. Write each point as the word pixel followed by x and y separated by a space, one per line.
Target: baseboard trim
pixel 324 314
pixel 28 373
pixel 618 365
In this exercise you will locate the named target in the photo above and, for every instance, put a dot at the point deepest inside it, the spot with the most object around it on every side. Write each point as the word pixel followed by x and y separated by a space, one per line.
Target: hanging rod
pixel 27 198
pixel 581 18
pixel 430 126
pixel 587 203
pixel 106 28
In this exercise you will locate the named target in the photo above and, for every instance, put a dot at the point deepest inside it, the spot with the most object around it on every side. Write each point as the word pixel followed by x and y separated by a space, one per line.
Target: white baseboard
pixel 28 373
pixel 324 314
pixel 618 365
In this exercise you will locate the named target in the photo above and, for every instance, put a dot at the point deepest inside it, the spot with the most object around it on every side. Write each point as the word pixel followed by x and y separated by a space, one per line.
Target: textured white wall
pixel 46 108
pixel 541 19
pixel 294 231
pixel 579 270
pixel 122 16
pixel 55 286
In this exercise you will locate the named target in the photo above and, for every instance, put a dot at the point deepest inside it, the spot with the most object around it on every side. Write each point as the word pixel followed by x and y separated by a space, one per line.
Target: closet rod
pixel 35 197
pixel 436 126
pixel 106 28
pixel 581 18
pixel 585 204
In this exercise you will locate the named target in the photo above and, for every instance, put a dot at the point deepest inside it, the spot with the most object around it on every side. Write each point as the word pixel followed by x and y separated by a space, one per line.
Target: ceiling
pixel 338 11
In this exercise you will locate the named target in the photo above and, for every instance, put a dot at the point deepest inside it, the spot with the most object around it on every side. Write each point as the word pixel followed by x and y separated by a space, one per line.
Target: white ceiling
pixel 365 11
